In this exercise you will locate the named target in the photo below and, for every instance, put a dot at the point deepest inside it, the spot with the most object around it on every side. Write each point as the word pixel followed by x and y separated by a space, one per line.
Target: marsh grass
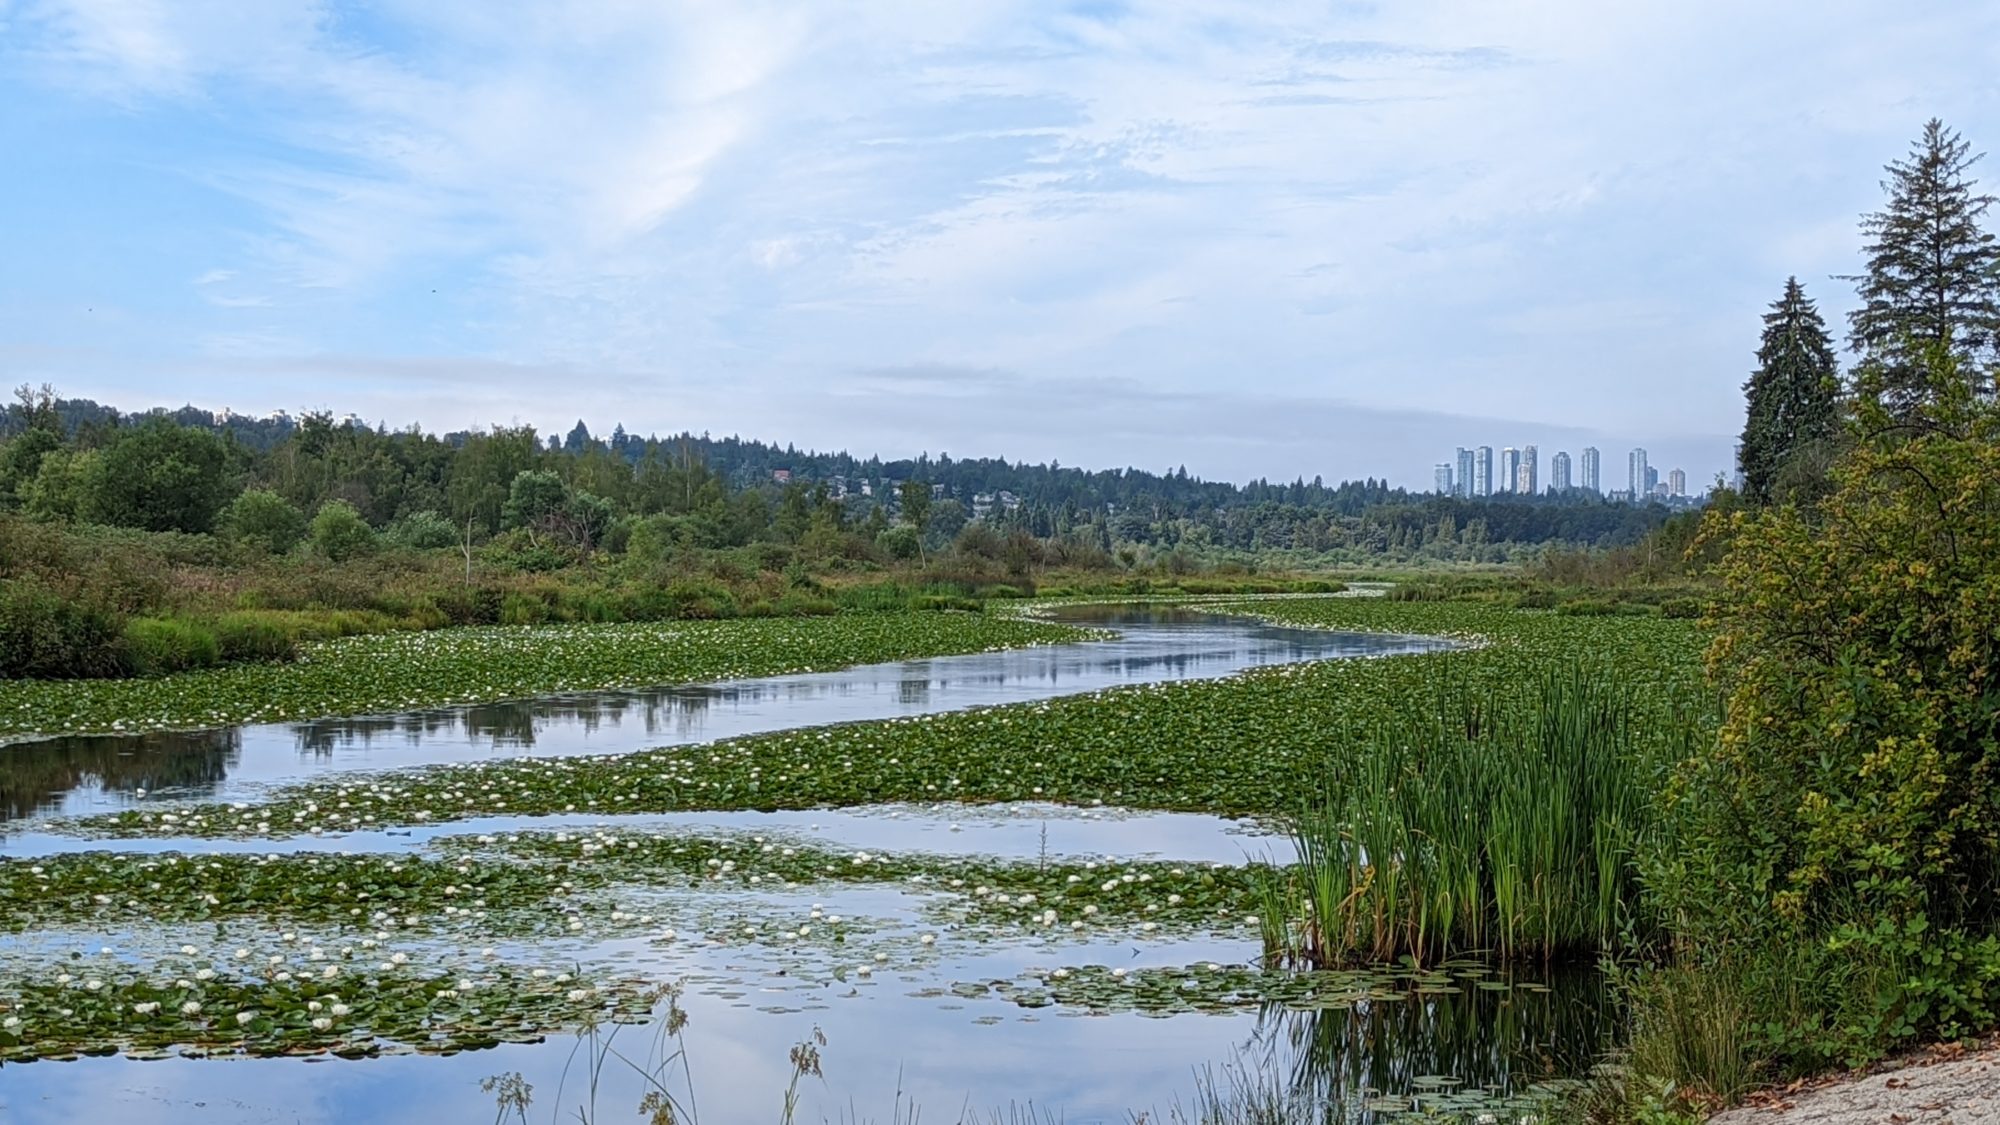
pixel 1481 821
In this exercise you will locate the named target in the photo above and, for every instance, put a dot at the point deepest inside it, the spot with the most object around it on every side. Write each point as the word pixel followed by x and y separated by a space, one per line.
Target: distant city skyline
pixel 1473 474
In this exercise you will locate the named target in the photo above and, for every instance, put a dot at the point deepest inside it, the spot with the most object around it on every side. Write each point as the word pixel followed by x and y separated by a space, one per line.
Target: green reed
pixel 1497 819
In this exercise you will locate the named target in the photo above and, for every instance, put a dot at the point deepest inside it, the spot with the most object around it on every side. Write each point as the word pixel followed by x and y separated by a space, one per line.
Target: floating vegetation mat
pixel 403 671
pixel 558 883
pixel 193 1007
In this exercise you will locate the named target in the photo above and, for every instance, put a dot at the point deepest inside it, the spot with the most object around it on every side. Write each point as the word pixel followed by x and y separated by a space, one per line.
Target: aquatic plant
pixel 1478 823
pixel 401 671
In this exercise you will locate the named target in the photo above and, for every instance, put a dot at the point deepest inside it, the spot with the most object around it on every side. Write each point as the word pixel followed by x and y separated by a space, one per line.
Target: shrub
pixel 254 635
pixel 44 635
pixel 522 609
pixel 264 521
pixel 1689 608
pixel 1835 849
pixel 695 599
pixel 339 532
pixel 424 531
pixel 159 646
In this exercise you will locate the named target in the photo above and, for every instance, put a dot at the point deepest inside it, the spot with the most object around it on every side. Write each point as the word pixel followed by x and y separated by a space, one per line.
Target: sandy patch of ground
pixel 1947 1085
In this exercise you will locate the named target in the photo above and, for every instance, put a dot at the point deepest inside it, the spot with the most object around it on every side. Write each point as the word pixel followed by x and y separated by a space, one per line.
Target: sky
pixel 1274 239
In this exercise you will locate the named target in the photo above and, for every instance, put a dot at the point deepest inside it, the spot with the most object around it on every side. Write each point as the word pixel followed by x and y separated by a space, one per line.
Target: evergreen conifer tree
pixel 1792 394
pixel 1933 276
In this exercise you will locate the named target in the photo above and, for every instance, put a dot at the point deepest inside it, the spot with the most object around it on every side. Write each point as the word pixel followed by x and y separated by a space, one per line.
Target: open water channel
pixel 922 1034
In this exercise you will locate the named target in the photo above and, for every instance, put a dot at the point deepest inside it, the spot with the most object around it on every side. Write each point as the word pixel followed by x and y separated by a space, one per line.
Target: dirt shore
pixel 1948 1085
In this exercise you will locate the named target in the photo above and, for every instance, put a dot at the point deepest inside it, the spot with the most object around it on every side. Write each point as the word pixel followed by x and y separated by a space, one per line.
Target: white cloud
pixel 1507 210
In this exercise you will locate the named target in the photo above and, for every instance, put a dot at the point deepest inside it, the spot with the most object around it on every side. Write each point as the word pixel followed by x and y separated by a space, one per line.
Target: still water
pixel 920 1040
pixel 87 774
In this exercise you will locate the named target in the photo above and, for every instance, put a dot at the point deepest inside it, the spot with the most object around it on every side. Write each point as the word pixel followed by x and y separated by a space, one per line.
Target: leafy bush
pixel 159 646
pixel 1685 608
pixel 522 609
pixel 44 635
pixel 339 533
pixel 250 635
pixel 424 531
pixel 1836 854
pixel 264 520
pixel 696 599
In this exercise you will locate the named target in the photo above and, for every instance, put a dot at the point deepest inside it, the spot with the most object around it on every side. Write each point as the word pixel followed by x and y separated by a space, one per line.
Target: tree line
pixel 275 482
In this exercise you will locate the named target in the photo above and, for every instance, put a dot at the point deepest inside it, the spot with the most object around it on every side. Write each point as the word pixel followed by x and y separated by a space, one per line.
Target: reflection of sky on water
pixel 1010 831
pixel 942 1054
pixel 94 774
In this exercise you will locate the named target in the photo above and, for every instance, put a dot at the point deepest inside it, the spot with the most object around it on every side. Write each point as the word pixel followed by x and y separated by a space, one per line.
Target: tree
pixel 916 497
pixel 40 434
pixel 264 520
pixel 339 532
pixel 1933 274
pixel 533 499
pixel 158 476
pixel 1845 826
pixel 1792 396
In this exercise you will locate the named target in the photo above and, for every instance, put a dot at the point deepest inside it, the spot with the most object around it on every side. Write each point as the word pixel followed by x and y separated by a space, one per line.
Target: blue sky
pixel 1255 239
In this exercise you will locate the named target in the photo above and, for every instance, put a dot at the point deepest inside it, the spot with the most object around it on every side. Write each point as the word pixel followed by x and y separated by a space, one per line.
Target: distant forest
pixel 746 487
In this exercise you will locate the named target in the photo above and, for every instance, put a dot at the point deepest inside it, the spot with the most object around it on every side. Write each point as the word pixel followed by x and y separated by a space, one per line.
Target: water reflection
pixel 69 775
pixel 1482 1037
pixel 40 777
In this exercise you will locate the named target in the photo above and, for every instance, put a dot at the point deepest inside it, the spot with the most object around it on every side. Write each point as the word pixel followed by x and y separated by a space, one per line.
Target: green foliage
pixel 264 520
pixel 339 533
pixel 900 542
pixel 47 635
pixel 424 531
pixel 158 646
pixel 1503 823
pixel 1933 276
pixel 59 489
pixel 1792 395
pixel 1840 847
pixel 158 476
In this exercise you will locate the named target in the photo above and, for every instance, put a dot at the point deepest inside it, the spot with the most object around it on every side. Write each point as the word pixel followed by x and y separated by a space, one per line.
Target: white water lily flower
pixel 11 1023
pixel 322 1024
pixel 191 1008
pixel 243 1018
pixel 338 1010
pixel 399 958
pixel 1117 972
pixel 928 939
pixel 146 1008
pixel 188 951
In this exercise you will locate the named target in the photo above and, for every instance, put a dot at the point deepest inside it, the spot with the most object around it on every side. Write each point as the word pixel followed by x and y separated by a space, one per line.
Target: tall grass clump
pixel 1495 822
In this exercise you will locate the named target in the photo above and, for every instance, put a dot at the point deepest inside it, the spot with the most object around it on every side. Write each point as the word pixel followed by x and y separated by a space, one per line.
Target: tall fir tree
pixel 1793 395
pixel 1933 277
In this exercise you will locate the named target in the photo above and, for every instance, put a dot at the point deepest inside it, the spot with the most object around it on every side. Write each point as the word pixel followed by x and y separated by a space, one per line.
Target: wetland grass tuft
pixel 1483 821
